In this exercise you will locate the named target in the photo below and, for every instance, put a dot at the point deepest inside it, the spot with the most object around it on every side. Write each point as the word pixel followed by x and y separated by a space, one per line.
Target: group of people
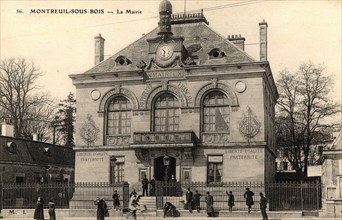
pixel 145 182
pixel 39 209
pixel 193 200
pixel 248 195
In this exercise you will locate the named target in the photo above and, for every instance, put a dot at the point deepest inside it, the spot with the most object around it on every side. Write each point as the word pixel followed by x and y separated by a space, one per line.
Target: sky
pixel 63 44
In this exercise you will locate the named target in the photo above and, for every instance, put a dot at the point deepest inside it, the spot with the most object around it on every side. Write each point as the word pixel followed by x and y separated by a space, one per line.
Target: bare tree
pixel 17 85
pixel 304 105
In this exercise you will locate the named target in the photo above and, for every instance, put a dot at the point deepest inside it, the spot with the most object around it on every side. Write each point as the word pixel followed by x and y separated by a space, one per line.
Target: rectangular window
pixel 20 178
pixel 186 175
pixel 215 164
pixel 119 122
pixel 117 170
pixel 142 174
pixel 216 119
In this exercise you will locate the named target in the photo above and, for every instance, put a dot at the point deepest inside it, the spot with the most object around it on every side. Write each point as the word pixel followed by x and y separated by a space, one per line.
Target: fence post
pixel 1 196
pixel 317 197
pixel 301 196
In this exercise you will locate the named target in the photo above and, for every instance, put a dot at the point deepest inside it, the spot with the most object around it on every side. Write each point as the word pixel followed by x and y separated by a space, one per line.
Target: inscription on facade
pixel 244 154
pixel 165 74
pixel 183 88
pixel 92 156
pixel 144 95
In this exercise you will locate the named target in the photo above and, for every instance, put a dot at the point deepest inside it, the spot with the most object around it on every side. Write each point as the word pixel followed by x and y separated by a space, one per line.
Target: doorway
pixel 160 169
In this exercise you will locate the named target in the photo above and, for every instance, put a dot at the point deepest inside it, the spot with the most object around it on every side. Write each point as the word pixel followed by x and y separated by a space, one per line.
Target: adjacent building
pixel 28 161
pixel 182 100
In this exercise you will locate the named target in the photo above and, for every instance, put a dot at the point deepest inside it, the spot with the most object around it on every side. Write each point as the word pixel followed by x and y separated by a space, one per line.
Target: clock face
pixel 165 52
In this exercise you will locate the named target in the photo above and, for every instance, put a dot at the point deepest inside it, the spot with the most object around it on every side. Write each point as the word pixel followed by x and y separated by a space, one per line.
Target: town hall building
pixel 182 100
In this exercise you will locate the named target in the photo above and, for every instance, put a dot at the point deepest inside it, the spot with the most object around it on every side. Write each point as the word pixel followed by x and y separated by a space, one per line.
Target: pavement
pixel 139 217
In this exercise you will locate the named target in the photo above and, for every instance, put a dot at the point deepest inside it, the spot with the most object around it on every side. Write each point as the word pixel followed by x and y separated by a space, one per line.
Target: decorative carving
pixel 164 84
pixel 249 126
pixel 189 61
pixel 118 140
pixel 233 101
pixel 187 154
pixel 141 65
pixel 164 137
pixel 214 81
pixel 89 132
pixel 215 138
pixel 142 155
pixel 116 91
pixel 148 103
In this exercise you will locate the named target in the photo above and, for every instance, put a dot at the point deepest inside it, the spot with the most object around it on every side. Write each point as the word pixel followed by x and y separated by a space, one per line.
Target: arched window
pixel 215 112
pixel 166 113
pixel 119 116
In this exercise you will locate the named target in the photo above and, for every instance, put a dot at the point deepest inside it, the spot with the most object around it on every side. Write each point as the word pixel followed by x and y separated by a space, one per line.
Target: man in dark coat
pixel 230 200
pixel 39 210
pixel 52 207
pixel 101 208
pixel 169 208
pixel 263 206
pixel 153 187
pixel 145 183
pixel 116 200
pixel 209 200
pixel 249 199
pixel 189 198
pixel 197 200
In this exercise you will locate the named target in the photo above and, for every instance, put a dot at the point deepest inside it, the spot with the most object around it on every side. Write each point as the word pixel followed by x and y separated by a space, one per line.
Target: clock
pixel 165 51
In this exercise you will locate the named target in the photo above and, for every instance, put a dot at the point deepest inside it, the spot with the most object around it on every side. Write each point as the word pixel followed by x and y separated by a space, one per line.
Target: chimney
pixel 99 49
pixel 238 41
pixel 263 40
pixel 7 130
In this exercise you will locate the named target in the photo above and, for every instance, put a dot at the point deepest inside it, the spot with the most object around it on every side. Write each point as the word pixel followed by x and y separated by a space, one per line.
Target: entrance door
pixel 160 170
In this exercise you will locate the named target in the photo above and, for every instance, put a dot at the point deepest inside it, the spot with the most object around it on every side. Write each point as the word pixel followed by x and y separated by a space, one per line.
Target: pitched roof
pixel 199 40
pixel 33 152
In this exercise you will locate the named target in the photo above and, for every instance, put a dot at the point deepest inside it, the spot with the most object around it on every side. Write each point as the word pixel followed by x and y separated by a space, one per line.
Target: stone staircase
pixel 149 202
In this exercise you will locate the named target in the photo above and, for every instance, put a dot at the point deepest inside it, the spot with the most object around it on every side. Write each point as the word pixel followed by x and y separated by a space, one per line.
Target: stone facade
pixel 196 106
pixel 332 179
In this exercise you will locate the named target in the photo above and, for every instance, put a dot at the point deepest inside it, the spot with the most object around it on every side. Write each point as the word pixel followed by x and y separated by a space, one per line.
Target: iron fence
pixel 66 195
pixel 281 195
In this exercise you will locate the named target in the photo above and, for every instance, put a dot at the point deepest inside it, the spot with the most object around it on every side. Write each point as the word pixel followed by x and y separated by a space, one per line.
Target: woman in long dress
pixel 39 210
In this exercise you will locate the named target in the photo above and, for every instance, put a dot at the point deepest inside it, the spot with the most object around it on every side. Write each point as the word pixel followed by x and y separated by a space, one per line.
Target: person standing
pixel 145 183
pixel 189 198
pixel 263 205
pixel 116 200
pixel 101 208
pixel 209 200
pixel 132 193
pixel 39 210
pixel 230 200
pixel 249 199
pixel 197 200
pixel 153 186
pixel 52 208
